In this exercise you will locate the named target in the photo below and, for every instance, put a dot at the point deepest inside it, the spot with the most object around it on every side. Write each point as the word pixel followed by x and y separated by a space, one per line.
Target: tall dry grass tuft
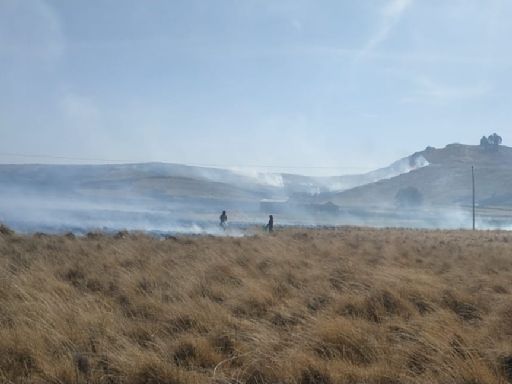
pixel 309 307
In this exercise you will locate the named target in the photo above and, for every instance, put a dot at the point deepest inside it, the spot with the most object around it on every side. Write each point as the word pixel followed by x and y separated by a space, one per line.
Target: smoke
pixel 405 165
pixel 169 199
pixel 28 213
pixel 264 178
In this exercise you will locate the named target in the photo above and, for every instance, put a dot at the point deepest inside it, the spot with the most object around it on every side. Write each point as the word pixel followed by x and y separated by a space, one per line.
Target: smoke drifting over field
pixel 169 198
pixel 34 212
pixel 58 214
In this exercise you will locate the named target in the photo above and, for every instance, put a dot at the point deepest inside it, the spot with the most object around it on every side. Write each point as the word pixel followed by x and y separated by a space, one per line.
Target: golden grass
pixel 297 306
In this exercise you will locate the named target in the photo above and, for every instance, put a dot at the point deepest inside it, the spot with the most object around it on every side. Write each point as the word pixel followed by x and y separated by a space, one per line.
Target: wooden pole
pixel 473 178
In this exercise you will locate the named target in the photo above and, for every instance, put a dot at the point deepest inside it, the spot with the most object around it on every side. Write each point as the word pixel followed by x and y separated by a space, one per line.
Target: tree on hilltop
pixel 495 139
pixel 484 142
pixel 491 143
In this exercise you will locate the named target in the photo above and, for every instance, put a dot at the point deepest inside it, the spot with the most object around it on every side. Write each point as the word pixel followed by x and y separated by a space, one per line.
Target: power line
pixel 61 157
pixel 72 158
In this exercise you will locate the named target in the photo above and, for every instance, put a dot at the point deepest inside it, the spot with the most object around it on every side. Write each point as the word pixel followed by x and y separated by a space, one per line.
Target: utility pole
pixel 473 178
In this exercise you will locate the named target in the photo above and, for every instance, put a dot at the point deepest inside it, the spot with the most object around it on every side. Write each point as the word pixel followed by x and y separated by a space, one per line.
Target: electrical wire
pixel 71 158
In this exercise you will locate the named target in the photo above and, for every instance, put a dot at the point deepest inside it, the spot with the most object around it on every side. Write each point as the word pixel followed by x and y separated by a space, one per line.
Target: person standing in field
pixel 270 225
pixel 223 219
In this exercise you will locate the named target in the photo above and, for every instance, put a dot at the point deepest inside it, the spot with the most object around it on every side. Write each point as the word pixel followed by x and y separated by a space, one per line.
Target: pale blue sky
pixel 353 84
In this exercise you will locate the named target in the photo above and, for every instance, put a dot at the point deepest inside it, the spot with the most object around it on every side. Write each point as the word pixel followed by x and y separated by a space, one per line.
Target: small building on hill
pixel 274 206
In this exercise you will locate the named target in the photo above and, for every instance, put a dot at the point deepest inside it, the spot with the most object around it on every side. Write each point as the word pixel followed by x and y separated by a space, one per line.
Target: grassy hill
pixel 137 180
pixel 445 181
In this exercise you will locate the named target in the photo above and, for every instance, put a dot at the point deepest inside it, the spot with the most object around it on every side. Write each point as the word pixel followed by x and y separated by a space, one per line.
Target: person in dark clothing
pixel 270 225
pixel 223 219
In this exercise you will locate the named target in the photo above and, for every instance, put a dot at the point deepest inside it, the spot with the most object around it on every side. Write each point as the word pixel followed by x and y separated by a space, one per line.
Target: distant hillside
pixel 163 181
pixel 445 181
pixel 317 185
pixel 179 198
pixel 149 180
pixel 150 196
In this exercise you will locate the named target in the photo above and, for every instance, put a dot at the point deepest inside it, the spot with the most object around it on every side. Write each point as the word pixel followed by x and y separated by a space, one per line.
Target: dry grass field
pixel 345 305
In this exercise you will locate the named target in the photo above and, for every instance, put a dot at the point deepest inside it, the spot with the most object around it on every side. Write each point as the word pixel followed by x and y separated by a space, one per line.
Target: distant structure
pixel 298 206
pixel 274 206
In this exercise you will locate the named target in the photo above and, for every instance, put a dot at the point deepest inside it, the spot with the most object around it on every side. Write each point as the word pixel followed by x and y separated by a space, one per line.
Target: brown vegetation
pixel 297 306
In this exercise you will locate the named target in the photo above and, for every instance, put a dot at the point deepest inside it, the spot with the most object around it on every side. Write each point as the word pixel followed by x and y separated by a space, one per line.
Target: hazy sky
pixel 353 84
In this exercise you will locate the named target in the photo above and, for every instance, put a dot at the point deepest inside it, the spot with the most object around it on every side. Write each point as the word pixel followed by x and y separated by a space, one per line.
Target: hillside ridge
pixel 446 180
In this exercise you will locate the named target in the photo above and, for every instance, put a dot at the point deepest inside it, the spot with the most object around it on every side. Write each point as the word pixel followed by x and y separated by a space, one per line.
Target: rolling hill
pixel 446 180
pixel 173 197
